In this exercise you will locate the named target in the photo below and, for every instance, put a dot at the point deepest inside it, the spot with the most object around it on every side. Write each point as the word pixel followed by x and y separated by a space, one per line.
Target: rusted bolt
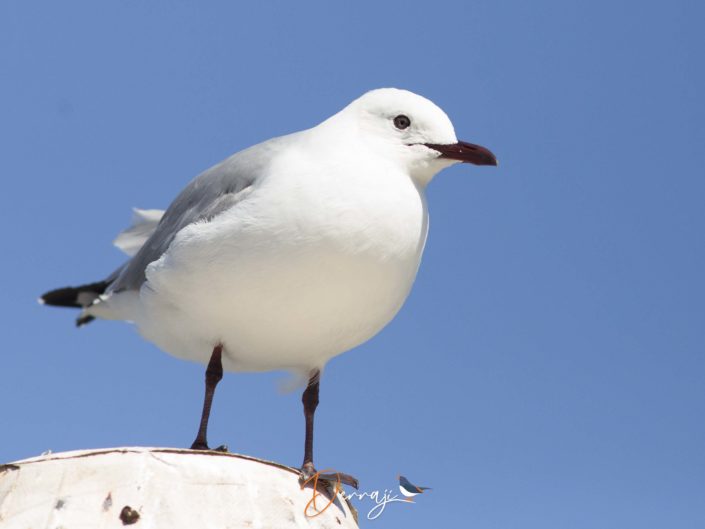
pixel 128 515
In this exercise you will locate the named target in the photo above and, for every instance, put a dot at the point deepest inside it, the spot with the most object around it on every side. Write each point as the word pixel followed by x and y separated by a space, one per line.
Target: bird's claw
pixel 310 474
pixel 205 447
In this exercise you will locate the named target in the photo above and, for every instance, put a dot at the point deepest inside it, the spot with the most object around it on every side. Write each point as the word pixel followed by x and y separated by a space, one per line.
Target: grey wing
pixel 209 194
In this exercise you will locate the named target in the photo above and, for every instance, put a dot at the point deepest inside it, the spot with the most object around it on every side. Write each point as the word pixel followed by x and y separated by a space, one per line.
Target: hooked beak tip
pixel 465 152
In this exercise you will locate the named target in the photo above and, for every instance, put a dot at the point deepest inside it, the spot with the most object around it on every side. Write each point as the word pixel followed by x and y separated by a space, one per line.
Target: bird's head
pixel 413 131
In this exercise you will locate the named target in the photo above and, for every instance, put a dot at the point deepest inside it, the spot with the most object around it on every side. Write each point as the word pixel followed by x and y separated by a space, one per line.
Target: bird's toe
pixel 309 475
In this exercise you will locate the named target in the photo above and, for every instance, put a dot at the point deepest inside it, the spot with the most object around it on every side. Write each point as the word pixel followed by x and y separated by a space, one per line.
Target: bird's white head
pixel 411 130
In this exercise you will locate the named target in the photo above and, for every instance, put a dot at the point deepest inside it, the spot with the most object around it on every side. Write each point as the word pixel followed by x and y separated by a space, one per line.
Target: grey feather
pixel 209 194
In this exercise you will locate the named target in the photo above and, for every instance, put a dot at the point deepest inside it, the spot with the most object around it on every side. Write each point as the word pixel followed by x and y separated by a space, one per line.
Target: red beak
pixel 465 152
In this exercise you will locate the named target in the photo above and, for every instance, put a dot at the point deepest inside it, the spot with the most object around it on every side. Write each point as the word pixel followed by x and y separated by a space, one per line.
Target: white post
pixel 159 488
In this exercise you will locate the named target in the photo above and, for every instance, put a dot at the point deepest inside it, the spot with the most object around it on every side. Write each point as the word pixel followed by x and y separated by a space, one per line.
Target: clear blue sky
pixel 548 370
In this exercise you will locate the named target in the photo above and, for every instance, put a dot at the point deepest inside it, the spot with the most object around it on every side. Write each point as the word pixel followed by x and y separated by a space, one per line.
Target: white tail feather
pixel 144 222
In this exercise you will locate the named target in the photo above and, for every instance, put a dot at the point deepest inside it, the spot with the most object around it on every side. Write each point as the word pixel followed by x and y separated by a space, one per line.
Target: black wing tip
pixel 61 297
pixel 75 298
pixel 84 320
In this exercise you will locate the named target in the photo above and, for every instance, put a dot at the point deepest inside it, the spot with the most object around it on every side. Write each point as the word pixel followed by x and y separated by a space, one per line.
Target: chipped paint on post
pixel 157 488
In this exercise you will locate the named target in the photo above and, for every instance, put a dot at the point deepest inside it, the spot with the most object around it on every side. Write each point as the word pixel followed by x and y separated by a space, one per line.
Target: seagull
pixel 408 489
pixel 288 253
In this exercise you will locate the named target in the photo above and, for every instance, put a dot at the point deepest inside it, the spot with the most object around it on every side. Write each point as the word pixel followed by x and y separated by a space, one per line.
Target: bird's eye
pixel 402 122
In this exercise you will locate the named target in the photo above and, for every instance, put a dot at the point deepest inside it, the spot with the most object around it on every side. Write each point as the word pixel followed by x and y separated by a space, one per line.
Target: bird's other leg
pixel 214 373
pixel 310 402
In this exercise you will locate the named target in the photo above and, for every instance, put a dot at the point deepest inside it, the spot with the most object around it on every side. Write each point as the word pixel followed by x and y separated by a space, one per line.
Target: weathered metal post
pixel 159 488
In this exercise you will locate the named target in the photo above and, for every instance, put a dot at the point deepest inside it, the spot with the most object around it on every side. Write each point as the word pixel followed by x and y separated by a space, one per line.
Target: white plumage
pixel 294 250
pixel 288 253
pixel 314 257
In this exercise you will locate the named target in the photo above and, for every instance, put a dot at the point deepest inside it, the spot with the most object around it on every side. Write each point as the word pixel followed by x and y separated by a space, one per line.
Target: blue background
pixel 548 369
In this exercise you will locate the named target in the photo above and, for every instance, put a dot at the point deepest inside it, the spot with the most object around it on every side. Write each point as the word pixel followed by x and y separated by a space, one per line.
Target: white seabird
pixel 287 253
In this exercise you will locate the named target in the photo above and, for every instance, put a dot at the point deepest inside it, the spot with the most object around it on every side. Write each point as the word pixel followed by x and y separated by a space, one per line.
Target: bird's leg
pixel 310 402
pixel 214 373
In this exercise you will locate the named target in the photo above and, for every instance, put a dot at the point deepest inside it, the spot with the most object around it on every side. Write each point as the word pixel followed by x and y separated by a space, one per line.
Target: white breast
pixel 300 272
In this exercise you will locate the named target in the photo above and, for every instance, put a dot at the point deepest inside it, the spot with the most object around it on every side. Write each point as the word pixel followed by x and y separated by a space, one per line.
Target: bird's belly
pixel 291 303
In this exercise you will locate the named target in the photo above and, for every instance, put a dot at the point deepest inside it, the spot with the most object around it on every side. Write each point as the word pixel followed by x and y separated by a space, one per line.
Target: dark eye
pixel 402 122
